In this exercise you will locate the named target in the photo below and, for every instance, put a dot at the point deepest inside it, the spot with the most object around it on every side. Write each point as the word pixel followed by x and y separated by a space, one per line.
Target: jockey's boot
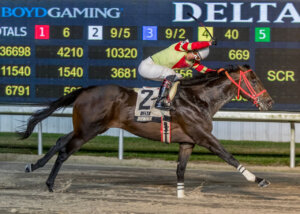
pixel 163 102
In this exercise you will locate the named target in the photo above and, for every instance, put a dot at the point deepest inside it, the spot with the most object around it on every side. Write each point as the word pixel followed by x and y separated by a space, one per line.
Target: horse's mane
pixel 201 78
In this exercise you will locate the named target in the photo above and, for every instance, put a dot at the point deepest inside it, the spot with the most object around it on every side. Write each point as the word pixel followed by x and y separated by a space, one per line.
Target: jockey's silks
pixel 175 56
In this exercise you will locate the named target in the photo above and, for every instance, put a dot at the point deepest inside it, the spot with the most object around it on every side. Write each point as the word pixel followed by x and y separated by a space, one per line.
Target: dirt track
pixel 107 185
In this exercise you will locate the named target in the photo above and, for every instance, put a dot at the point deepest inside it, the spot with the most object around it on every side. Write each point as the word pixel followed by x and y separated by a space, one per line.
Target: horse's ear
pixel 231 67
pixel 246 66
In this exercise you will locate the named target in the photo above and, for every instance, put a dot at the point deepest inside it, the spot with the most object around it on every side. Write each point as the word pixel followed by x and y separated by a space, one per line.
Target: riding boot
pixel 162 101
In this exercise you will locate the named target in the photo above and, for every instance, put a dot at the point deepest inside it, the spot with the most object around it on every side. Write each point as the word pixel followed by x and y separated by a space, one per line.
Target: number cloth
pixel 162 64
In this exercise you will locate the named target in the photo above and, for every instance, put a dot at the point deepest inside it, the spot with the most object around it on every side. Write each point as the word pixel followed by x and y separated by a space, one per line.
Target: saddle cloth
pixel 146 112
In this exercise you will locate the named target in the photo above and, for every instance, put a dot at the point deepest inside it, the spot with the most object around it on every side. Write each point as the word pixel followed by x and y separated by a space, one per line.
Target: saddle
pixel 146 112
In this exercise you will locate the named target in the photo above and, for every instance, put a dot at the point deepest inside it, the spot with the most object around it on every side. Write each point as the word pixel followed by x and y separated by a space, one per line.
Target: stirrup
pixel 161 104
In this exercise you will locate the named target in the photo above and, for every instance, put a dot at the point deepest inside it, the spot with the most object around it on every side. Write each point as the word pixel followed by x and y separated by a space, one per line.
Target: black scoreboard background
pixel 49 48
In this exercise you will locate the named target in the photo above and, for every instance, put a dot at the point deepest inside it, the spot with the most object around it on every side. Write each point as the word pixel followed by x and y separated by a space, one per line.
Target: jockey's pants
pixel 149 70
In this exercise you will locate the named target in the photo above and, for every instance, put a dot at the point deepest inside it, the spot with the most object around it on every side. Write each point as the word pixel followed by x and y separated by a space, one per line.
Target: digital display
pixel 233 55
pixel 14 51
pixel 223 33
pixel 14 90
pixel 285 34
pixel 108 52
pixel 52 91
pixel 119 33
pixel 55 71
pixel 232 34
pixel 284 75
pixel 51 48
pixel 66 32
pixel 61 52
pixel 15 71
pixel 174 33
pixel 111 72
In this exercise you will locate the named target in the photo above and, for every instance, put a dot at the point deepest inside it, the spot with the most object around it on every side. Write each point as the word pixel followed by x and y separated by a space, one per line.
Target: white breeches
pixel 148 69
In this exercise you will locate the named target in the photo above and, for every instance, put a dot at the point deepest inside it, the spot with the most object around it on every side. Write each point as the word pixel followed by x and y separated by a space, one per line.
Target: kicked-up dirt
pixel 108 185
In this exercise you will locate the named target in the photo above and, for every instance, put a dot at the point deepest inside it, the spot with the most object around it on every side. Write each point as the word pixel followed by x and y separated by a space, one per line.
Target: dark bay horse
pixel 98 108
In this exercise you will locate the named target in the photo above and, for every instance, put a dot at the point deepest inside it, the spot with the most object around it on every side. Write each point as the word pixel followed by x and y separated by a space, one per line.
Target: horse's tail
pixel 40 115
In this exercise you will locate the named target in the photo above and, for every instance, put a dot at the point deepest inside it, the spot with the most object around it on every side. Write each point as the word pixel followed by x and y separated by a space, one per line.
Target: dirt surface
pixel 108 185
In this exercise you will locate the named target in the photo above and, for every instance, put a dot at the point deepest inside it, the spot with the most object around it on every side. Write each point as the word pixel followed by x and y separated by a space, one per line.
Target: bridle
pixel 252 93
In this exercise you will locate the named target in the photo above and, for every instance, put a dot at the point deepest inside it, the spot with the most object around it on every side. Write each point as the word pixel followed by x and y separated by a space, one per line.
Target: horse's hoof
pixel 264 183
pixel 28 168
pixel 50 187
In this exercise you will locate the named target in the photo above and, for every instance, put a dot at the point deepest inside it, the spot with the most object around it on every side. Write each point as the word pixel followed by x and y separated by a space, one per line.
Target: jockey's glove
pixel 214 41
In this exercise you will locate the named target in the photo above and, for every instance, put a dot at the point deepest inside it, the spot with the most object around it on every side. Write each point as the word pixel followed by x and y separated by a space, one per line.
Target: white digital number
pixel 149 33
pixel 262 34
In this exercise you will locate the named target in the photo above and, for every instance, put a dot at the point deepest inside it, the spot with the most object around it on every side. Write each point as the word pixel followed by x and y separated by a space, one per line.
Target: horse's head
pixel 251 87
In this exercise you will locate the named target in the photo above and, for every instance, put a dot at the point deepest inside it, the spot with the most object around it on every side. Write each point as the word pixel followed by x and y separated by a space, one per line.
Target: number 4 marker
pixel 203 35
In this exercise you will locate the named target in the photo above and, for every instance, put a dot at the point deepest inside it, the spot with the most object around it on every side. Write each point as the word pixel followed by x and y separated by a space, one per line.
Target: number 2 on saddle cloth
pixel 146 112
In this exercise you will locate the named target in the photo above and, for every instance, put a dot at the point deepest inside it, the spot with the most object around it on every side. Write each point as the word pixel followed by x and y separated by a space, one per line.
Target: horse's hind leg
pixel 183 157
pixel 63 155
pixel 60 143
pixel 74 145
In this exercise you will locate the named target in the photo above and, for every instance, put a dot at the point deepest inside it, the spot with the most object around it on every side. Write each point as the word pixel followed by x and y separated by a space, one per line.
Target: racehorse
pixel 98 108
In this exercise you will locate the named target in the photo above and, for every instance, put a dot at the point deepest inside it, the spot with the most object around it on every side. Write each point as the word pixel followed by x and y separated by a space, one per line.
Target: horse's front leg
pixel 183 157
pixel 208 141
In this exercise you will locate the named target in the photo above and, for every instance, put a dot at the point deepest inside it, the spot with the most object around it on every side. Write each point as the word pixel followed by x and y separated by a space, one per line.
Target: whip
pixel 189 14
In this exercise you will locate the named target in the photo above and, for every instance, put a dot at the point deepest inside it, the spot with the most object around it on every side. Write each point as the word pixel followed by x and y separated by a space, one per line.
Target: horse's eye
pixel 254 81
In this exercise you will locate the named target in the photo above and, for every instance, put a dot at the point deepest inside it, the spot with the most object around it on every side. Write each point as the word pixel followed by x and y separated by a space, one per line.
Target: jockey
pixel 161 66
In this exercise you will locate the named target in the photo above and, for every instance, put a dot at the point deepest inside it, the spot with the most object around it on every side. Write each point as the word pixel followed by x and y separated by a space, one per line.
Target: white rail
pixel 287 117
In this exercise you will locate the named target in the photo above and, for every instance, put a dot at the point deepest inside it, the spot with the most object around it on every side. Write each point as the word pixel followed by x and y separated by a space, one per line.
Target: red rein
pixel 252 93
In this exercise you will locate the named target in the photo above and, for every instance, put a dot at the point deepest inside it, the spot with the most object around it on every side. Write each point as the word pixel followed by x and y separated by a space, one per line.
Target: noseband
pixel 252 93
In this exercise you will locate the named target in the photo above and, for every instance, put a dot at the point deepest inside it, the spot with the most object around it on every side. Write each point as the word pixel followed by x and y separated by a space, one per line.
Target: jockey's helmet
pixel 203 53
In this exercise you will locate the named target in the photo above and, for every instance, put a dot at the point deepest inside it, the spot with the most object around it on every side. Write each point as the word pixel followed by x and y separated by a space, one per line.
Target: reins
pixel 252 93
